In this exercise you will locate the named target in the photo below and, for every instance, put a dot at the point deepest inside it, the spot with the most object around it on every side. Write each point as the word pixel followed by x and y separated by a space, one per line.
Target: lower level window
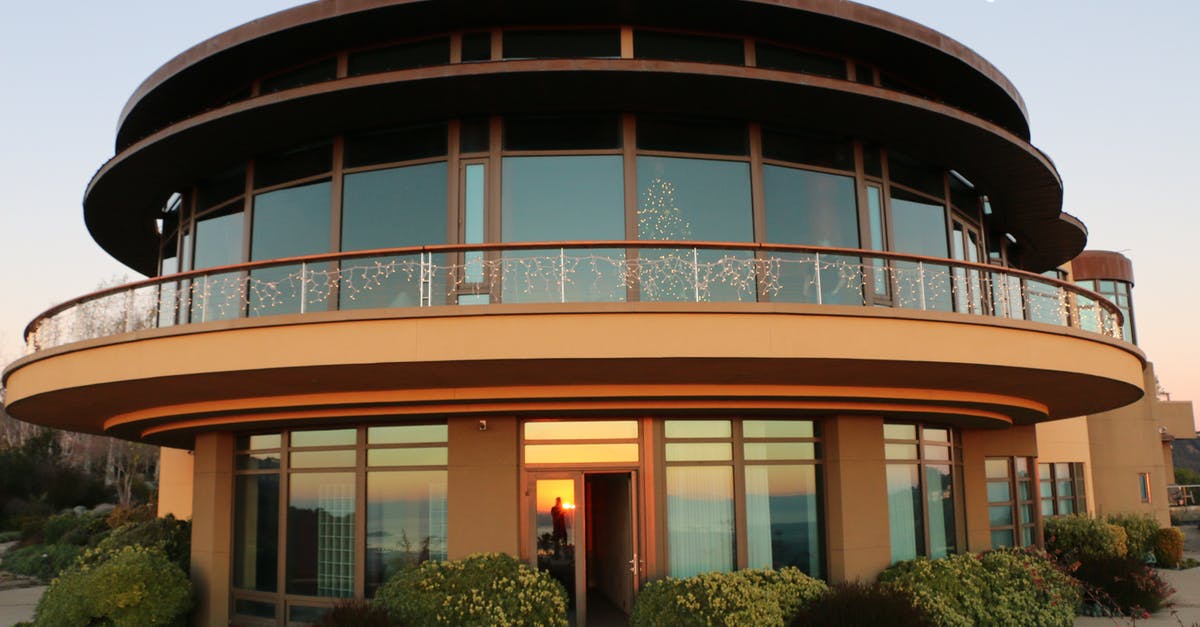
pixel 326 514
pixel 1061 488
pixel 751 483
pixel 923 473
pixel 1012 513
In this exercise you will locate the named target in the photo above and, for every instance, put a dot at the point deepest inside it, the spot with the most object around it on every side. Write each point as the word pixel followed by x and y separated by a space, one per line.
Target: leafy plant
pixel 77 529
pixel 744 597
pixel 9 536
pixel 43 561
pixel 482 589
pixel 121 515
pixel 858 603
pixel 1123 584
pixel 999 587
pixel 1078 536
pixel 1168 547
pixel 173 537
pixel 133 587
pixel 1140 529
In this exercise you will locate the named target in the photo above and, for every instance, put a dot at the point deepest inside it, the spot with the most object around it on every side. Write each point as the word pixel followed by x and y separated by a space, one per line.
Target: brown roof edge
pixel 1102 264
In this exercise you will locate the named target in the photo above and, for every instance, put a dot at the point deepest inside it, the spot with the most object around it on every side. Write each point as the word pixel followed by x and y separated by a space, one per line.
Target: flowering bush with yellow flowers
pixel 745 597
pixel 133 587
pixel 491 589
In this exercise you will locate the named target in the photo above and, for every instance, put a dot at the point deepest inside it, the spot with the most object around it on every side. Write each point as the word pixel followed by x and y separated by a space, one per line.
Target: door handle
pixel 633 565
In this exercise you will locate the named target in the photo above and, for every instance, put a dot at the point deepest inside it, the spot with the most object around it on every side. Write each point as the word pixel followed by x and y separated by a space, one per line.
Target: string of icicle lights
pixel 572 276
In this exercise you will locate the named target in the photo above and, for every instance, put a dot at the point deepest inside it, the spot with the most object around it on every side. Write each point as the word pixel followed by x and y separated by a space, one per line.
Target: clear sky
pixel 1108 84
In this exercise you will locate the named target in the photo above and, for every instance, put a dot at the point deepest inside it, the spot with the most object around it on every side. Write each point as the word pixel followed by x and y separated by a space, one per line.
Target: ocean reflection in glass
pixel 320 538
pixel 406 522
pixel 783 517
pixel 700 530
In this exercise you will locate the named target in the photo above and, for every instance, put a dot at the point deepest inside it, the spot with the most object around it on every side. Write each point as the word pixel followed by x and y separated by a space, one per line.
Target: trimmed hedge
pixel 483 589
pixel 744 597
pixel 1168 547
pixel 999 587
pixel 133 587
pixel 1140 528
pixel 1079 536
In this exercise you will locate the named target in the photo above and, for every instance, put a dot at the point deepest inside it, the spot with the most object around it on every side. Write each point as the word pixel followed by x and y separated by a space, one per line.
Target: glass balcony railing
pixel 574 272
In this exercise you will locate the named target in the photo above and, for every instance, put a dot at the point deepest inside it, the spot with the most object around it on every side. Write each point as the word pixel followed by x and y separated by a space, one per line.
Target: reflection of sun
pixel 549 489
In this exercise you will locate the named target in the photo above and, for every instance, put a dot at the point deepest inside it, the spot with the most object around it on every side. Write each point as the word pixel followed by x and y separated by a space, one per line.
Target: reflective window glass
pixel 320 538
pixel 407 434
pixel 905 518
pixel 219 240
pixel 692 135
pixel 783 523
pixel 778 428
pixel 332 437
pixel 681 47
pixel 579 132
pixel 791 60
pixel 580 453
pixel 403 56
pixel 256 532
pixel 288 223
pixel 302 162
pixel 406 522
pixel 318 72
pixel 582 430
pixel 423 456
pixel 919 228
pixel 394 145
pixel 223 187
pixel 697 428
pixel 700 528
pixel 808 148
pixel 698 451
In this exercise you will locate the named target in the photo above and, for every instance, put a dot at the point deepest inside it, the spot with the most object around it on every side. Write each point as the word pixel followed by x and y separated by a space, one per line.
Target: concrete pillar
pixel 212 525
pixel 483 496
pixel 859 541
pixel 175 483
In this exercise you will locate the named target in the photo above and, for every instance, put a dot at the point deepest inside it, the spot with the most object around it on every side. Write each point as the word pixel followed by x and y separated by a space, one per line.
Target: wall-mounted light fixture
pixel 483 425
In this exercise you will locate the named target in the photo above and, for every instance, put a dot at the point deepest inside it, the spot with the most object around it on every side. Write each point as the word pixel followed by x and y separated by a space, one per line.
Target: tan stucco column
pixel 856 497
pixel 175 483
pixel 483 496
pixel 212 523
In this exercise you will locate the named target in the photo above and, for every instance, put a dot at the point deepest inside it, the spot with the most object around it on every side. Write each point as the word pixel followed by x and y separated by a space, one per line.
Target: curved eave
pixel 122 200
pixel 237 56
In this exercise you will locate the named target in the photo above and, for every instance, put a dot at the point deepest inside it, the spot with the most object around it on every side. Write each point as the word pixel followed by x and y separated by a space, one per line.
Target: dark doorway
pixel 610 548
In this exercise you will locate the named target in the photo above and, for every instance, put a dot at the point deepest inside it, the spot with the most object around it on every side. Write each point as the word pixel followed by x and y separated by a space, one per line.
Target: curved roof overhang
pixel 123 199
pixel 1102 264
pixel 232 59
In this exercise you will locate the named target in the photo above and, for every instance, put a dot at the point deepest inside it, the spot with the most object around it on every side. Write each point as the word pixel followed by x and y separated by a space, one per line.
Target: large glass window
pixel 218 242
pixel 819 209
pixel 919 228
pixel 559 199
pixel 769 465
pixel 1012 508
pixel 923 468
pixel 1061 488
pixel 402 499
pixel 390 208
pixel 288 223
pixel 695 199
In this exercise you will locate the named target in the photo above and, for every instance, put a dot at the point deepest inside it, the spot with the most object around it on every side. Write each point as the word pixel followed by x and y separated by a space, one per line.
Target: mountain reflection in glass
pixel 563 198
pixel 320 534
pixel 700 531
pixel 783 517
pixel 695 199
pixel 406 522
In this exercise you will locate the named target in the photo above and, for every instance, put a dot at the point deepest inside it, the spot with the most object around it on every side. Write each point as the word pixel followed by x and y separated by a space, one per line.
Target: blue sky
pixel 1108 85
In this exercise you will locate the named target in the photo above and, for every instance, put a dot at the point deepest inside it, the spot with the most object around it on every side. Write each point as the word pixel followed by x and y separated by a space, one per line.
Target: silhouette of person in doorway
pixel 558 515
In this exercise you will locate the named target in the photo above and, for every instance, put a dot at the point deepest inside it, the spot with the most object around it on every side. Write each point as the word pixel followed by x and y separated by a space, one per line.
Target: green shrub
pixel 854 604
pixel 1123 584
pixel 122 515
pixel 1140 528
pixel 133 587
pixel 744 597
pixel 9 536
pixel 173 537
pixel 1000 587
pixel 483 589
pixel 77 529
pixel 43 561
pixel 1168 547
pixel 1077 536
pixel 355 613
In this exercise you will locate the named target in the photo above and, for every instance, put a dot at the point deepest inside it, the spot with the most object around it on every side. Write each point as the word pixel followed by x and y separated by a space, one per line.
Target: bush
pixel 121 515
pixel 1168 547
pixel 1124 584
pixel 133 587
pixel 1004 586
pixel 744 597
pixel 483 589
pixel 1078 536
pixel 1140 529
pixel 173 537
pixel 355 613
pixel 854 604
pixel 9 536
pixel 77 529
pixel 43 561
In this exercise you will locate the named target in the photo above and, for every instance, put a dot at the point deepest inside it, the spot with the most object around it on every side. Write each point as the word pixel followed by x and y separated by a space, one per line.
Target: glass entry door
pixel 584 534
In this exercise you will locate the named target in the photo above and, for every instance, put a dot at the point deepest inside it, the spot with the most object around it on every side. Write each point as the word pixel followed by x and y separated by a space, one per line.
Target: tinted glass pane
pixel 1000 515
pixel 810 148
pixel 321 459
pixel 919 228
pixel 476 47
pixel 996 468
pixel 555 518
pixel 700 531
pixel 778 428
pixel 315 73
pixel 900 451
pixel 220 188
pixel 258 609
pixel 332 437
pixel 474 135
pixel 691 135
pixel 780 450
pixel 270 170
pixel 256 532
pixel 320 538
pixel 999 492
pixel 219 240
pixel 407 434
pixel 287 223
pixel 406 522
pixel 401 57
pixel 580 453
pixel 582 430
pixel 258 442
pixel 899 432
pixel 939 491
pixel 905 518
pixel 699 451
pixel 805 207
pixel 562 133
pixel 783 518
pixel 535 44
pixel 1002 538
pixel 679 47
pixel 697 428
pixel 390 146
pixel 915 174
pixel 258 461
pixel 779 58
pixel 305 614
pixel 424 456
